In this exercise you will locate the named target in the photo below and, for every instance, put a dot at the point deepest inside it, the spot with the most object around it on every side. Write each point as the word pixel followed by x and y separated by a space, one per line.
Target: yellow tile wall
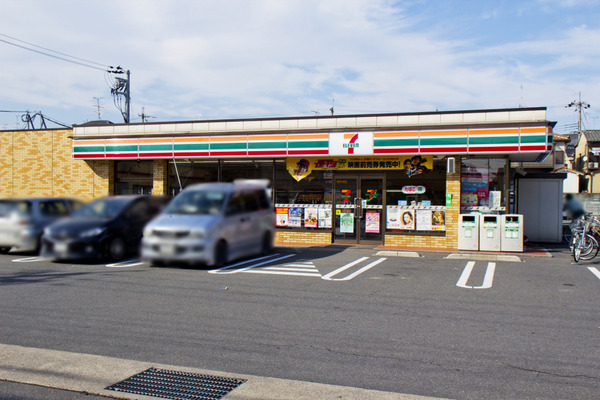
pixel 305 238
pixel 159 170
pixel 40 163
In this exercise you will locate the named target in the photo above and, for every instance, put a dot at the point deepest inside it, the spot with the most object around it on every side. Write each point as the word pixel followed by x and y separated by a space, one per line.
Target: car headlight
pixel 197 234
pixel 147 232
pixel 92 232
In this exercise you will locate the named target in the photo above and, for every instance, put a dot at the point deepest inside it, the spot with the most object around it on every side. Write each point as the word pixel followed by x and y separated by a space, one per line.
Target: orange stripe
pixel 192 139
pixel 461 132
pixel 156 140
pixel 506 131
pixel 534 130
pixel 396 134
pixel 121 141
pixel 228 138
pixel 300 136
pixel 80 142
pixel 267 137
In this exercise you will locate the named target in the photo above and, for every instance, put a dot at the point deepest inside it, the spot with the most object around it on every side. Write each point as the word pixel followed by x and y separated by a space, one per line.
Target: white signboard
pixel 351 143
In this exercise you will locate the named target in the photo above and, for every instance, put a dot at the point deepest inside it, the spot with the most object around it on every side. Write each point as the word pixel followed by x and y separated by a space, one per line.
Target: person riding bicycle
pixel 573 207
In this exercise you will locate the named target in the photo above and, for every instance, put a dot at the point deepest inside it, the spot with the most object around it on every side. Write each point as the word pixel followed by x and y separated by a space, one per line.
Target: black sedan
pixel 109 227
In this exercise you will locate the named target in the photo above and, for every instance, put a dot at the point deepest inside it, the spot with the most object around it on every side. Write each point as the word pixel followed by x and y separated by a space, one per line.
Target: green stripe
pixel 533 139
pixel 443 141
pixel 156 147
pixel 117 148
pixel 395 142
pixel 308 144
pixel 228 146
pixel 550 139
pixel 191 146
pixel 266 145
pixel 89 149
pixel 494 140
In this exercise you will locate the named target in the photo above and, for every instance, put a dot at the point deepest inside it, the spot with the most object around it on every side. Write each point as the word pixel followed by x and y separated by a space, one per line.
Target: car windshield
pixel 108 207
pixel 197 202
pixel 11 207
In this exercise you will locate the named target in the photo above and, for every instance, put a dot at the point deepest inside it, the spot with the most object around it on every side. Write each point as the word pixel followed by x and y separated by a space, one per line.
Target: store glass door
pixel 358 209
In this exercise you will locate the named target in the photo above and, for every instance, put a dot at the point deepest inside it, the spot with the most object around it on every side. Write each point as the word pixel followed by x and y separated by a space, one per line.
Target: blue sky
pixel 194 60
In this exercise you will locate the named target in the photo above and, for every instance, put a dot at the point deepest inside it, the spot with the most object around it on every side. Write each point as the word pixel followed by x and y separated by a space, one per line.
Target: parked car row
pixel 206 223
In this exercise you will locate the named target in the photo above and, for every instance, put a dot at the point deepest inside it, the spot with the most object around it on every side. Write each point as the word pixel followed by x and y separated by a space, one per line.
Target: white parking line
pixel 231 269
pixel 30 259
pixel 595 271
pixel 329 276
pixel 488 278
pixel 125 264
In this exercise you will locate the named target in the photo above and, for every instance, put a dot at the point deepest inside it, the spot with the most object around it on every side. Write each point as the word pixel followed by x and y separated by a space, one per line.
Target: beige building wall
pixel 39 163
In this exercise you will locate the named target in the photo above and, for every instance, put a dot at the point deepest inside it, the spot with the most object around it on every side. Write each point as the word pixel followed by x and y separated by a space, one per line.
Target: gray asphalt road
pixel 429 326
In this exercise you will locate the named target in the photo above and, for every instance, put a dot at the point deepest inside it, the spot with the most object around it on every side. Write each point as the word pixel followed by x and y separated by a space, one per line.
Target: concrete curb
pixel 91 374
pixel 484 257
pixel 390 253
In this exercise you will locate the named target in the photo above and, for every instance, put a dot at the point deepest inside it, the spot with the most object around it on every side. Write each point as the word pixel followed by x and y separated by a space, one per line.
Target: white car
pixel 212 223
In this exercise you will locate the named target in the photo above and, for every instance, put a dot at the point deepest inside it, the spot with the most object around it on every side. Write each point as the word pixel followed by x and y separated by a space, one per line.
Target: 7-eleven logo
pixel 350 143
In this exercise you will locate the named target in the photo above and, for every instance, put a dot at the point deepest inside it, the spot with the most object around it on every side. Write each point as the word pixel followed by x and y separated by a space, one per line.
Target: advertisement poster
pixel 372 222
pixel 347 222
pixel 282 216
pixel 474 186
pixel 407 219
pixel 423 220
pixel 438 220
pixel 324 218
pixel 310 217
pixel 392 218
pixel 295 217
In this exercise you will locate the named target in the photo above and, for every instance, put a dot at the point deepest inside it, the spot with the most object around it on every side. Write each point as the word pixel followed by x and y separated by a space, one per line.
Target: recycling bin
pixel 511 232
pixel 468 232
pixel 489 232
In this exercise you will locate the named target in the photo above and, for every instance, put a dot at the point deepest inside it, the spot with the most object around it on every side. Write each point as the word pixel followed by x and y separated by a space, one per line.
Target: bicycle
pixel 584 244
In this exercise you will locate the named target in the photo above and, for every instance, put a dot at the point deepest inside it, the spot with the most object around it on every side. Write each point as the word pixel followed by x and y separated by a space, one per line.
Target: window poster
pixel 423 220
pixel 438 220
pixel 392 218
pixel 281 216
pixel 310 217
pixel 324 218
pixel 372 222
pixel 407 219
pixel 295 217
pixel 347 222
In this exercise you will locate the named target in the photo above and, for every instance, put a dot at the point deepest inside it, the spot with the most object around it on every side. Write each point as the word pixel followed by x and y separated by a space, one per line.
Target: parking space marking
pixel 329 276
pixel 232 269
pixel 488 278
pixel 125 264
pixel 30 259
pixel 595 271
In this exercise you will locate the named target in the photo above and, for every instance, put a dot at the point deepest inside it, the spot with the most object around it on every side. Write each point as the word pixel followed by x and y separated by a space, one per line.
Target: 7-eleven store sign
pixel 352 143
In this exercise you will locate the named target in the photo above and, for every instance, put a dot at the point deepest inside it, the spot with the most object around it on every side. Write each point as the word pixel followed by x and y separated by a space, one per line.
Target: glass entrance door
pixel 358 209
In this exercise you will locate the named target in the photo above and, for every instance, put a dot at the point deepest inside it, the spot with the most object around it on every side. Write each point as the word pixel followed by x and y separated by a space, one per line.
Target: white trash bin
pixel 489 232
pixel 468 232
pixel 512 232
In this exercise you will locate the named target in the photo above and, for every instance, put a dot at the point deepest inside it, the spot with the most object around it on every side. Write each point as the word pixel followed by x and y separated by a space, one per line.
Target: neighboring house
pixel 587 160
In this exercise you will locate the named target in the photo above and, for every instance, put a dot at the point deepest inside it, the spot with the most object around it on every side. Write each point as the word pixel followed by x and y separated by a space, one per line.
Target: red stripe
pixel 308 152
pixel 191 153
pixel 533 148
pixel 228 153
pixel 149 155
pixel 267 153
pixel 122 155
pixel 483 149
pixel 88 155
pixel 429 150
pixel 413 150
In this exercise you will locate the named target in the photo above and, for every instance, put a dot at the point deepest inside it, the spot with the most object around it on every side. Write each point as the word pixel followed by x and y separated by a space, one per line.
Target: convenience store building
pixel 398 180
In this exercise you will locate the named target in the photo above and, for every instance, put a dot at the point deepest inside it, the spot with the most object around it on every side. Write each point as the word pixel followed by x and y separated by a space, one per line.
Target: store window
pixel 133 177
pixel 183 174
pixel 483 185
pixel 256 169
pixel 306 203
pixel 416 196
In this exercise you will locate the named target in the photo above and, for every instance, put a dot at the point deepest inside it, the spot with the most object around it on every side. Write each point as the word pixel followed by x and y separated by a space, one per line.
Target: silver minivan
pixel 212 223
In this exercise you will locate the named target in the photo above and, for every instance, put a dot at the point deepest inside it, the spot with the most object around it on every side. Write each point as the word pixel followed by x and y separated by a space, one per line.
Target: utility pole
pixel 121 88
pixel 98 106
pixel 579 107
pixel 144 115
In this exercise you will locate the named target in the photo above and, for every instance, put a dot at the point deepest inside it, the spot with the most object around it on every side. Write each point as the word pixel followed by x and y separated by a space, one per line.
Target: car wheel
pixel 116 249
pixel 220 254
pixel 267 243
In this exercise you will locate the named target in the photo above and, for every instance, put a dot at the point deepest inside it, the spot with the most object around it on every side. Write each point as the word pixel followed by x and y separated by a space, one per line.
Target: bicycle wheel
pixel 577 248
pixel 590 249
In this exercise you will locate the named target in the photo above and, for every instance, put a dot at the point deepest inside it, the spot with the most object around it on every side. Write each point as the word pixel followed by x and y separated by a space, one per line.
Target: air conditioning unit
pixel 593 165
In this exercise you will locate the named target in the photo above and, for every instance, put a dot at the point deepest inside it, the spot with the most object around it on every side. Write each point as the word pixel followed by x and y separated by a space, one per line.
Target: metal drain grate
pixel 177 385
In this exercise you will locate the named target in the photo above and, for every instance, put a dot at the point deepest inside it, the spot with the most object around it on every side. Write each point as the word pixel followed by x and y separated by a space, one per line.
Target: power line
pixel 57 57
